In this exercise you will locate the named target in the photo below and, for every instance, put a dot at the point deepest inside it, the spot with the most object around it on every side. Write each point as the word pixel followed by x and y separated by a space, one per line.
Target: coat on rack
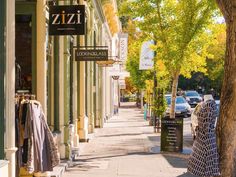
pixel 42 153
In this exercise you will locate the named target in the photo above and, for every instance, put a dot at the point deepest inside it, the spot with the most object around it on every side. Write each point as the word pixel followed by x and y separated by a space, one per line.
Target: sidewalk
pixel 127 147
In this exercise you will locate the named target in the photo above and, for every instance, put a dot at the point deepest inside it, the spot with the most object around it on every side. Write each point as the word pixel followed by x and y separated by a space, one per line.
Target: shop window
pixel 23 53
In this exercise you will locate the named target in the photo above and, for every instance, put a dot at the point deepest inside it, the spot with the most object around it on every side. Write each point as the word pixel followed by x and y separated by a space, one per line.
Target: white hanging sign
pixel 146 61
pixel 123 46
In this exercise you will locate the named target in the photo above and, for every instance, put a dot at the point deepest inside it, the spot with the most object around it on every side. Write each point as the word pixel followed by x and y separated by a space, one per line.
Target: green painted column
pixel 66 94
pixel 67 77
pixel 92 114
pixel 50 108
pixel 66 83
pixel 78 83
pixel 78 90
pixel 71 81
pixel 2 73
pixel 86 89
pixel 88 93
pixel 94 94
pixel 56 85
pixel 100 97
pixel 71 76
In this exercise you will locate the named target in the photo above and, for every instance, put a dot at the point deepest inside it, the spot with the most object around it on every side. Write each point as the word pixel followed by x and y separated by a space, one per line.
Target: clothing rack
pixel 29 117
pixel 25 96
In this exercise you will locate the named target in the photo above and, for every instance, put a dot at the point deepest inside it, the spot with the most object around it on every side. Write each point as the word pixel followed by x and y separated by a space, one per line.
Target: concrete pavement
pixel 127 147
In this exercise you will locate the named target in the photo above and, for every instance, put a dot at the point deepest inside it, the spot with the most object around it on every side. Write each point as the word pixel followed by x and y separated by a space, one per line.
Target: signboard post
pixel 67 20
pixel 172 134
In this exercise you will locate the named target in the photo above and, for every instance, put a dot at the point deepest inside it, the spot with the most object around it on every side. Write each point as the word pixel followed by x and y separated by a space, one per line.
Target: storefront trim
pixel 2 73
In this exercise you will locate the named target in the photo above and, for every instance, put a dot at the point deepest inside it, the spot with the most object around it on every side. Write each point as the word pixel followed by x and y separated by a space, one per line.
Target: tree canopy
pixel 181 31
pixel 178 27
pixel 135 41
pixel 213 77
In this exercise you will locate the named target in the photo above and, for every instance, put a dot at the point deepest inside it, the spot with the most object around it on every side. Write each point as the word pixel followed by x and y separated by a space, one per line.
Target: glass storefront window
pixel 24 53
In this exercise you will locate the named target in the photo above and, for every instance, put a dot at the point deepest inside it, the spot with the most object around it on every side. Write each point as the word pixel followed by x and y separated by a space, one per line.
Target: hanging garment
pixel 18 82
pixel 22 120
pixel 17 139
pixel 43 154
pixel 204 159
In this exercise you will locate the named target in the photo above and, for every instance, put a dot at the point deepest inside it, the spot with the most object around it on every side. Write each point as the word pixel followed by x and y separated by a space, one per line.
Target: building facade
pixel 76 96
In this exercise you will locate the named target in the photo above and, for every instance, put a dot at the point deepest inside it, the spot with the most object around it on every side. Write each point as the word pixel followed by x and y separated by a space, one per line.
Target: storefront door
pixel 25 47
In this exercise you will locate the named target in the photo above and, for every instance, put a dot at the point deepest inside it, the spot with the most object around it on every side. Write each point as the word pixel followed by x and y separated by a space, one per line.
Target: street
pixel 127 147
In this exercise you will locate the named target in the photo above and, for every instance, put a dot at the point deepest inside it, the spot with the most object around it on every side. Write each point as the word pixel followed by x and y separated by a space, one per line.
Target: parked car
pixel 167 96
pixel 194 121
pixel 218 106
pixel 182 108
pixel 192 97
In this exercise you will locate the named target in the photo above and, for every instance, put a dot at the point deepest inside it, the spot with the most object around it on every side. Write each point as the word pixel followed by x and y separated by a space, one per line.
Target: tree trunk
pixel 227 121
pixel 173 96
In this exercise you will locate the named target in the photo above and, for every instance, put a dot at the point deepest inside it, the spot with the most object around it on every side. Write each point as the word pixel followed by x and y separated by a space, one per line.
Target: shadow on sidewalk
pixel 98 162
pixel 126 134
pixel 154 138
pixel 130 126
pixel 128 105
pixel 105 157
pixel 133 120
pixel 175 161
pixel 186 175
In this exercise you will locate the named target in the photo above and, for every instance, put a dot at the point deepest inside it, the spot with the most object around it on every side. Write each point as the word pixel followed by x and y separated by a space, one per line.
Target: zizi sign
pixel 67 20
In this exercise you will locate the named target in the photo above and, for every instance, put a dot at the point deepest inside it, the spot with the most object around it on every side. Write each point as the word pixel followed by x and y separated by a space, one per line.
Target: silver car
pixel 192 97
pixel 182 108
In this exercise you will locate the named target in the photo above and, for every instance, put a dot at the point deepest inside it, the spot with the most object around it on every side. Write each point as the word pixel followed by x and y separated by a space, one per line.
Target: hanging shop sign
pixel 108 63
pixel 67 20
pixel 172 134
pixel 105 65
pixel 123 46
pixel 91 55
pixel 122 84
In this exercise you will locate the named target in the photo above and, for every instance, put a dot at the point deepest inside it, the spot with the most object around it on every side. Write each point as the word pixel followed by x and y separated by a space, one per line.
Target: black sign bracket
pixel 91 47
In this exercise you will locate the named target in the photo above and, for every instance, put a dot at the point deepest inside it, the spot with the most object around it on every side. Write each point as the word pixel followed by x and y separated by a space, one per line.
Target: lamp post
pixel 155 97
pixel 155 93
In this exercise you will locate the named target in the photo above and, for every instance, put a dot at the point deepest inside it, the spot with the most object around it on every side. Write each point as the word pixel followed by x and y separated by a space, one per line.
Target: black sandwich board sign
pixel 172 134
pixel 67 20
pixel 91 55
